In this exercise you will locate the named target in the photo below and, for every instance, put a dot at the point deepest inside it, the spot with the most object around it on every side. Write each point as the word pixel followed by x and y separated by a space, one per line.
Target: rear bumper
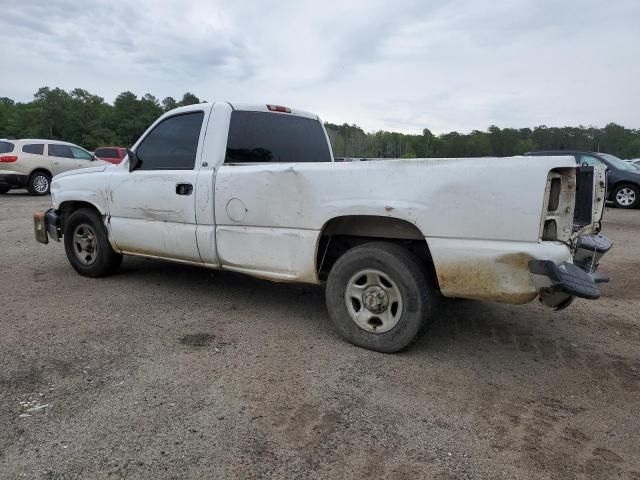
pixel 47 224
pixel 13 180
pixel 559 284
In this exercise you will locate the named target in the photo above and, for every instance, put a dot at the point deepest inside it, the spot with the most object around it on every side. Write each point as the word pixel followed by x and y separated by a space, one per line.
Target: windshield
pixel 617 163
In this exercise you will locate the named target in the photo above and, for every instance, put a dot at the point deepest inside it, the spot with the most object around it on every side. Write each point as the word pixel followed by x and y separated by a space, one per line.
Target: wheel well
pixel 67 208
pixel 40 169
pixel 343 233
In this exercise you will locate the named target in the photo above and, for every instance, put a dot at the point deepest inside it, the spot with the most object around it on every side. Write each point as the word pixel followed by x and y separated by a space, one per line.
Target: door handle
pixel 184 189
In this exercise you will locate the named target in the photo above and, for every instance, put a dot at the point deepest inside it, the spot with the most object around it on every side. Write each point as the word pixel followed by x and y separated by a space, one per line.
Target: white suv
pixel 31 164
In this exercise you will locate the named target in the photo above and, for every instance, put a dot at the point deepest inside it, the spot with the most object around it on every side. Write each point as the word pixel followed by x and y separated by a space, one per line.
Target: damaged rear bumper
pixel 559 284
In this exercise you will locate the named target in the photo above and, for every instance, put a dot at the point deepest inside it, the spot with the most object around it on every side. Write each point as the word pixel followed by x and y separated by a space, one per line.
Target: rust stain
pixel 388 209
pixel 504 279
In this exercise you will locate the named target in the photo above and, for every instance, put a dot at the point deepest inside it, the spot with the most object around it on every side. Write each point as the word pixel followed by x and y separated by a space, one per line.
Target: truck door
pixel 152 208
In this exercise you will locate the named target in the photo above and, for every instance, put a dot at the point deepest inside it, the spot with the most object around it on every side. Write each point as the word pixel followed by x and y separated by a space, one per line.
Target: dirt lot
pixel 167 371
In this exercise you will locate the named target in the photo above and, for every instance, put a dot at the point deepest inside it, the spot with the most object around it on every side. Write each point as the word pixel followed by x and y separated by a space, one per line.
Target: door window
pixel 34 148
pixel 80 154
pixel 6 147
pixel 589 160
pixel 56 150
pixel 172 144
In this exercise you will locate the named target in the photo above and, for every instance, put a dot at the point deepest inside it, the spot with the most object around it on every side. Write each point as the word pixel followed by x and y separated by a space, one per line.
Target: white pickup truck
pixel 255 189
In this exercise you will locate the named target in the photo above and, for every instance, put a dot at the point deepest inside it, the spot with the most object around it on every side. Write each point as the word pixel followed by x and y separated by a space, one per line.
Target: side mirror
pixel 93 158
pixel 134 161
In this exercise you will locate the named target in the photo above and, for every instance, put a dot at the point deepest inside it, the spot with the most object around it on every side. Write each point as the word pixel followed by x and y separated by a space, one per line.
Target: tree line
pixel 352 141
pixel 82 118
pixel 86 119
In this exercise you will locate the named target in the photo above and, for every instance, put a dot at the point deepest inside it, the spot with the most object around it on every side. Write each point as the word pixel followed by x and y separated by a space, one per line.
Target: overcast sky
pixel 396 65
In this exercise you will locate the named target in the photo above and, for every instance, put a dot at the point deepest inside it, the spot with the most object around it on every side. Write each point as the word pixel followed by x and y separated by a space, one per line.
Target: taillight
pixel 279 108
pixel 8 158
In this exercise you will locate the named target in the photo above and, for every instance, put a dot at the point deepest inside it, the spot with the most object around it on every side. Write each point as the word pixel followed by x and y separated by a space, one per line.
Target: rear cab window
pixel 33 148
pixel 259 137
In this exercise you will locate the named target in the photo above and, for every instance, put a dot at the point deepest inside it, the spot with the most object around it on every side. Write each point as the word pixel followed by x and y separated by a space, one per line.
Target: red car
pixel 111 154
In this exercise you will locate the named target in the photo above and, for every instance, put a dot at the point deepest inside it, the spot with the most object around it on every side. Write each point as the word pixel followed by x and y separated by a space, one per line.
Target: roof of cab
pixel 249 107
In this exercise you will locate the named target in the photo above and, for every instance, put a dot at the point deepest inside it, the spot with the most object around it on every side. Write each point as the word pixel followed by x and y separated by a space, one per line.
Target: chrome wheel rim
pixel 85 244
pixel 373 301
pixel 625 196
pixel 41 184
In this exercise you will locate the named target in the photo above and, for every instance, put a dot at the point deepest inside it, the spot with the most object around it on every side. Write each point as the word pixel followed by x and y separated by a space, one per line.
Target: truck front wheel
pixel 87 245
pixel 378 296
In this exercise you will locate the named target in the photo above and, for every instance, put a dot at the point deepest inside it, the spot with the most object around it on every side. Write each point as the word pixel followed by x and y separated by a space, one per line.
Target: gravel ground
pixel 168 371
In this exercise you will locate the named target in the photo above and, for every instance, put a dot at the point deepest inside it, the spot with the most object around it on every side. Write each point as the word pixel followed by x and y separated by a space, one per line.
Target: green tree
pixel 169 103
pixel 84 118
pixel 188 99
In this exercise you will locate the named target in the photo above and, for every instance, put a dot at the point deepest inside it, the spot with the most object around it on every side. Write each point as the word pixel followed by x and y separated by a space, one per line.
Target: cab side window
pixel 172 144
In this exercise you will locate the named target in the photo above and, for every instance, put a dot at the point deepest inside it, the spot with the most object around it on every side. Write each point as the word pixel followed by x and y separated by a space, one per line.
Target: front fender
pixel 89 188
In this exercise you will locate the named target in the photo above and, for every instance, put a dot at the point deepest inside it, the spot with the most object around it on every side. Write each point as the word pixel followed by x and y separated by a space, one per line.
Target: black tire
pixel 98 262
pixel 400 267
pixel 4 189
pixel 621 200
pixel 39 183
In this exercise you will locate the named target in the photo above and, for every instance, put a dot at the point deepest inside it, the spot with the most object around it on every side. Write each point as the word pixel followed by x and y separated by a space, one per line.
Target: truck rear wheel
pixel 87 246
pixel 378 296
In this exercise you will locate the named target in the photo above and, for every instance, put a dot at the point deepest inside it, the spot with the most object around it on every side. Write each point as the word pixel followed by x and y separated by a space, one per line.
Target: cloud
pixel 403 65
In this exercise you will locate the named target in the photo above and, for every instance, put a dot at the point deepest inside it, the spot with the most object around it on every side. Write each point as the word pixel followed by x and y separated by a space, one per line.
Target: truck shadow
pixel 216 287
pixel 495 331
pixel 467 335
pixel 458 324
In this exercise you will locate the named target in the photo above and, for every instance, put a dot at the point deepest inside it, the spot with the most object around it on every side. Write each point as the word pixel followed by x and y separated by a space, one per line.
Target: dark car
pixel 623 179
pixel 111 154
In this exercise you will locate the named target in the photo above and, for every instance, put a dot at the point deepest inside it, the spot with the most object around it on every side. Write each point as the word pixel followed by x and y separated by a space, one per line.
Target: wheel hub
pixel 626 196
pixel 40 184
pixel 85 245
pixel 375 299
